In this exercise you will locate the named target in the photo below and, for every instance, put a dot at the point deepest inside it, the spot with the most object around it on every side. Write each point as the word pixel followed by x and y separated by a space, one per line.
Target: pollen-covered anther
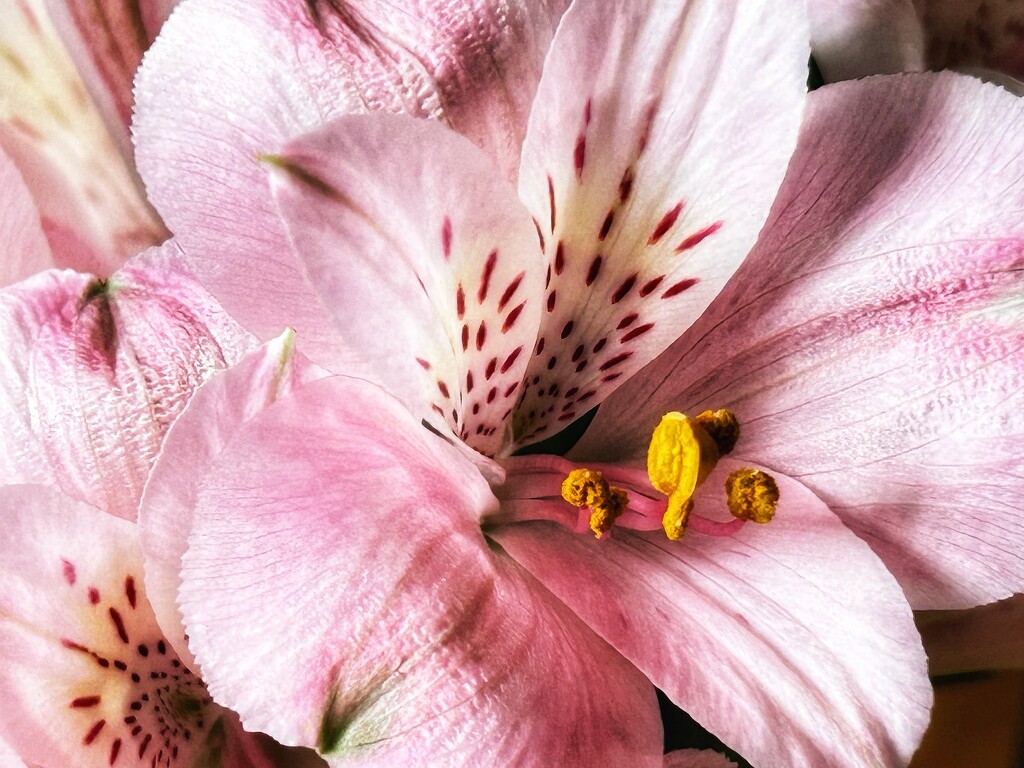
pixel 722 427
pixel 752 495
pixel 587 489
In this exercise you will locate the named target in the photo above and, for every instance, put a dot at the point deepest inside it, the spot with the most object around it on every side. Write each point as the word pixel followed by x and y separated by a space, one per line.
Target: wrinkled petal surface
pixel 790 642
pixel 872 345
pixel 216 411
pixel 854 38
pixel 92 209
pixel 336 527
pixel 230 79
pixel 95 372
pixel 427 260
pixel 658 138
pixel 25 248
pixel 106 41
pixel 87 678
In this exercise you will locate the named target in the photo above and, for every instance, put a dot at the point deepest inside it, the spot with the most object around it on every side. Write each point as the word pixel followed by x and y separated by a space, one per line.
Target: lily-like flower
pixel 355 574
pixel 854 38
pixel 88 678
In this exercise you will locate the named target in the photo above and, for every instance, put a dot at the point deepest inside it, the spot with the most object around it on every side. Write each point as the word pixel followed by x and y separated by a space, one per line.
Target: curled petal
pixel 96 371
pixel 790 642
pixel 873 344
pixel 336 527
pixel 658 138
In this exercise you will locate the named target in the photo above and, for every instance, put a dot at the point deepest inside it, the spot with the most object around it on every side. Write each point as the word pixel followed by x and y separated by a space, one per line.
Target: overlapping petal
pixel 427 261
pixel 91 207
pixel 231 79
pixel 872 345
pixel 96 371
pixel 212 416
pixel 658 138
pixel 25 248
pixel 106 41
pixel 333 525
pixel 790 642
pixel 87 678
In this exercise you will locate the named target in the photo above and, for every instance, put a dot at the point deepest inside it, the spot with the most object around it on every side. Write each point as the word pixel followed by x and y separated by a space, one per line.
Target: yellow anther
pixel 752 495
pixel 588 488
pixel 722 426
pixel 680 457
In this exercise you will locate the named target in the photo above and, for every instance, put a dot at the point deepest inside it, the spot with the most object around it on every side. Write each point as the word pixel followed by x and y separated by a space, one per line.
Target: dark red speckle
pixel 129 591
pixel 510 320
pixel 606 227
pixel 481 335
pixel 637 332
pixel 651 285
pixel 115 750
pixel 94 595
pixel 93 732
pixel 559 257
pixel 665 224
pixel 85 702
pixel 460 301
pixel 510 291
pixel 423 363
pixel 446 237
pixel 443 389
pixel 485 277
pixel 492 365
pixel 511 359
pixel 115 617
pixel 579 154
pixel 698 237
pixel 68 569
pixel 613 361
pixel 625 288
pixel 679 287
pixel 551 201
pixel 567 329
pixel 594 271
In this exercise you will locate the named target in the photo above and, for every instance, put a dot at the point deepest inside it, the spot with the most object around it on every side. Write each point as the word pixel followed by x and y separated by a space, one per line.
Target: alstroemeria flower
pixel 87 677
pixel 351 581
pixel 854 38
pixel 78 172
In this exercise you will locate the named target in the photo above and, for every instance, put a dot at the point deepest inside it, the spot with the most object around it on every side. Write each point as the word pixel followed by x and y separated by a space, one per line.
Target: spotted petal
pixel 790 642
pixel 854 38
pixel 92 209
pixel 25 248
pixel 872 345
pixel 95 372
pixel 427 260
pixel 106 41
pixel 87 678
pixel 230 79
pixel 212 416
pixel 336 527
pixel 658 138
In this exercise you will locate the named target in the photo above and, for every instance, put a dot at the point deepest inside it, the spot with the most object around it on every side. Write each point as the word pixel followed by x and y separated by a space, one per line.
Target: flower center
pixel 682 454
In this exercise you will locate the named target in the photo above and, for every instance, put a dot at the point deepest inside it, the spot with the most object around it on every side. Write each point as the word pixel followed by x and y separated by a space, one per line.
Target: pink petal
pixel 106 41
pixel 974 33
pixel 872 345
pixel 697 758
pixel 658 139
pixel 86 677
pixel 854 38
pixel 427 260
pixel 338 592
pixel 25 249
pixel 215 412
pixel 96 372
pixel 239 78
pixel 982 638
pixel 790 642
pixel 92 209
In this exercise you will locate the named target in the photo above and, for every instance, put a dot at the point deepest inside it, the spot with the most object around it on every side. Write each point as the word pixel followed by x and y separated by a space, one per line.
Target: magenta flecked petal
pixel 336 527
pixel 229 80
pixel 87 678
pixel 428 261
pixel 96 371
pixel 659 136
pixel 872 344
pixel 790 641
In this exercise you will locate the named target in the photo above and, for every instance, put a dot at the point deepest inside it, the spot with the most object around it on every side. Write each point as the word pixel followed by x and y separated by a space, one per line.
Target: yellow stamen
pixel 752 495
pixel 588 488
pixel 680 457
pixel 723 428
